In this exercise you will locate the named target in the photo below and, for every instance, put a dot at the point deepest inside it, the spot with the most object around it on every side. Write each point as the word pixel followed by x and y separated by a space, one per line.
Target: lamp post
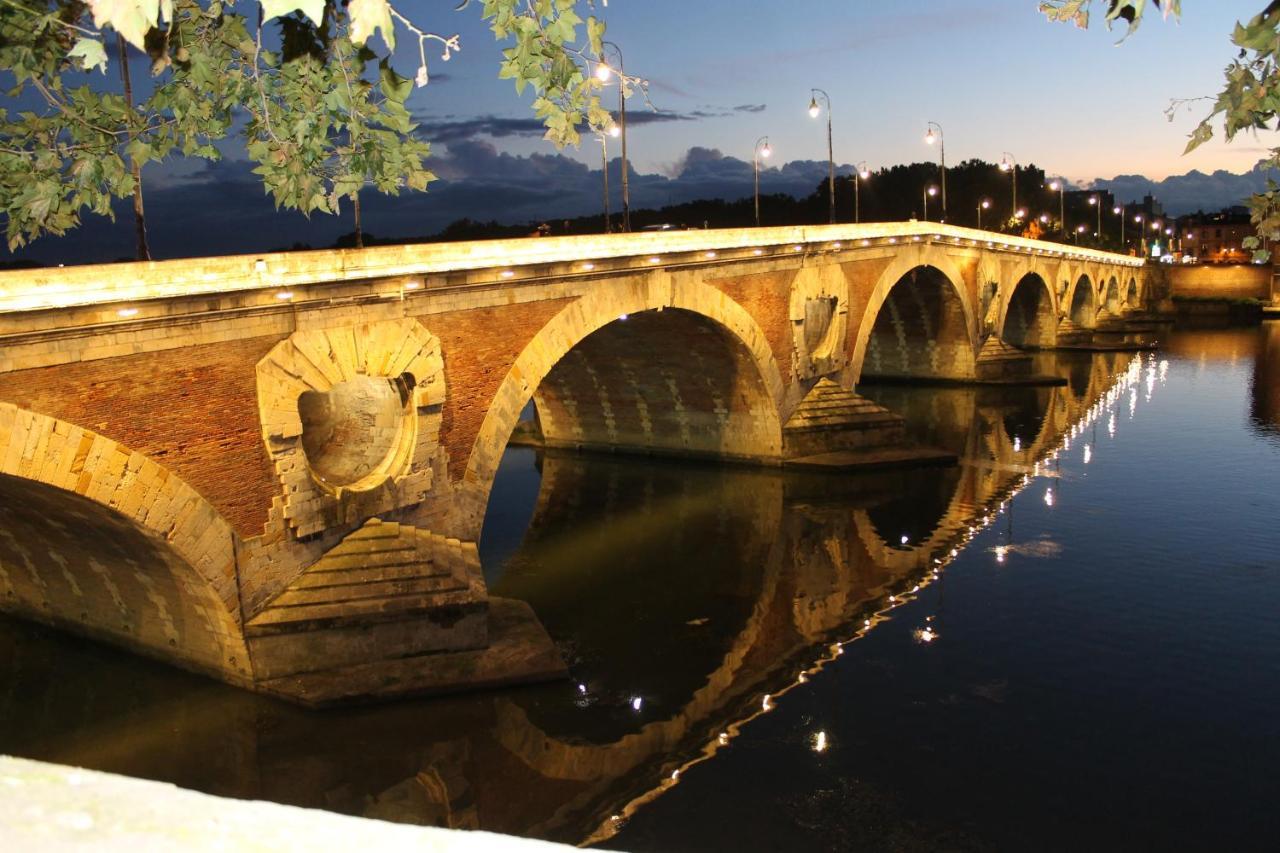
pixel 1141 238
pixel 1010 165
pixel 1060 186
pixel 761 149
pixel 814 110
pixel 929 190
pixel 1097 202
pixel 1119 211
pixel 604 168
pixel 1079 231
pixel 860 173
pixel 603 71
pixel 985 204
pixel 929 139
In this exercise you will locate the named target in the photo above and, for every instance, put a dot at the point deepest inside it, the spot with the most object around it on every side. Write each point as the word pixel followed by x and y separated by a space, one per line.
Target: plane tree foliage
pixel 1249 100
pixel 308 89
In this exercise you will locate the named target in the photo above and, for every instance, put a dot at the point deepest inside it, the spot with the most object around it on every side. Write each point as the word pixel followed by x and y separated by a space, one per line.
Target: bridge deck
pixel 432 265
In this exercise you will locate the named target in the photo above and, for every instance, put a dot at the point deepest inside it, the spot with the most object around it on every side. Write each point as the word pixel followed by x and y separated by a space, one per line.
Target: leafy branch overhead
pixel 318 109
pixel 1249 100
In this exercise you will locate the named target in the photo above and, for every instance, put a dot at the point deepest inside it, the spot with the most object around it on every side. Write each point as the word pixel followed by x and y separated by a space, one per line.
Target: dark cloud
pixel 1193 191
pixel 750 108
pixel 221 208
pixel 448 132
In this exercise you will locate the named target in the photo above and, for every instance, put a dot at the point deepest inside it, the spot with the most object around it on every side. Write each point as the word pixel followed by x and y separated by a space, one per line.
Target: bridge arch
pixel 1132 295
pixel 739 388
pixel 1111 296
pixel 128 552
pixel 1082 302
pixel 1029 316
pixel 919 321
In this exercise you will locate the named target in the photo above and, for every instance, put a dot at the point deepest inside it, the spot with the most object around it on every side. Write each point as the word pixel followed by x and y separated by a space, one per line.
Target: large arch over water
pixel 707 364
pixel 918 322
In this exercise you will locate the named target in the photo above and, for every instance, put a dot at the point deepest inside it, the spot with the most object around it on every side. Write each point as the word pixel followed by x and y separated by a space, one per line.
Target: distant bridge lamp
pixel 814 111
pixel 1119 211
pixel 929 190
pixel 930 138
pixel 1097 202
pixel 985 204
pixel 761 149
pixel 1010 165
pixel 861 173
pixel 603 73
pixel 1060 187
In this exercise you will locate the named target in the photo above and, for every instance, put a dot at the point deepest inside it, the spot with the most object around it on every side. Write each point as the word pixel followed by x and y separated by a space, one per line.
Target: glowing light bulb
pixel 820 742
pixel 814 110
pixel 636 703
pixel 615 131
pixel 603 72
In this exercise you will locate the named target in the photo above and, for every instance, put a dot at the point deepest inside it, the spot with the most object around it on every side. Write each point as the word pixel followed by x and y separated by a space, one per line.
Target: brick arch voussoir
pixel 562 333
pixel 47 450
pixel 909 258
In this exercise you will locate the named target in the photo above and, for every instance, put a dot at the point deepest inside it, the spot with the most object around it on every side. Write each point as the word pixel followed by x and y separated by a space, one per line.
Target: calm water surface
pixel 1069 641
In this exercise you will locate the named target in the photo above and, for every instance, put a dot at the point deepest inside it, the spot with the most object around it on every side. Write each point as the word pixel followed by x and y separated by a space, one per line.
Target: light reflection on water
pixel 1069 640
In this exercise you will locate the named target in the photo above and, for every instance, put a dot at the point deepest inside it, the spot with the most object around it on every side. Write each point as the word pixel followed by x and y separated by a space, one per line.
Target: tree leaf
pixel 368 16
pixel 130 18
pixel 313 9
pixel 91 54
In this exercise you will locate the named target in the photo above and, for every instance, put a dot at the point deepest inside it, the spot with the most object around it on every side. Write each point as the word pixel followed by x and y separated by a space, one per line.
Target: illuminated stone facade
pixel 253 413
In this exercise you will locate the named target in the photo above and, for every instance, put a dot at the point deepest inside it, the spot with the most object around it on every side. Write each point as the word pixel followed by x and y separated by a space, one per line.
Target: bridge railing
pixel 100 284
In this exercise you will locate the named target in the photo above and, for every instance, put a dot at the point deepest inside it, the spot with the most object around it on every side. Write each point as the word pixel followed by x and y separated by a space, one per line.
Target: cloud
pixel 1181 194
pixel 221 208
pixel 448 132
pixel 750 108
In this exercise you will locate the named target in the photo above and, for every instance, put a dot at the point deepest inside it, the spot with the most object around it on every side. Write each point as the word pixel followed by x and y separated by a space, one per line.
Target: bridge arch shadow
pixel 666 366
pixel 918 322
pixel 1083 302
pixel 1030 316
pixel 102 541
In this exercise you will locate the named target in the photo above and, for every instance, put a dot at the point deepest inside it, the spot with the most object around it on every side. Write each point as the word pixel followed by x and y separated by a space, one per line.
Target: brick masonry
pixel 161 421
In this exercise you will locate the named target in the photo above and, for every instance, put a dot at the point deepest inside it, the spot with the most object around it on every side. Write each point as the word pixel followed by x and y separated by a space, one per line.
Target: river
pixel 1070 640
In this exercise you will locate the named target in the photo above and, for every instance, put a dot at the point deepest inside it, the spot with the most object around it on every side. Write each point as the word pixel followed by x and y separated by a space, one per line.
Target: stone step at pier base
pixel 834 428
pixel 394 610
pixel 999 360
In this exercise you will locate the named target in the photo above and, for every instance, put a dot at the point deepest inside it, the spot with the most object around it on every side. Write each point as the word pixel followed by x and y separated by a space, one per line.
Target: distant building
pixel 1217 237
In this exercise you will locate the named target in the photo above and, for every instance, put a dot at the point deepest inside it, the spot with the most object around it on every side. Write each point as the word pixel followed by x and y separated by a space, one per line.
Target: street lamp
pixel 1141 239
pixel 985 204
pixel 814 110
pixel 1096 202
pixel 603 70
pixel 1079 231
pixel 861 173
pixel 761 149
pixel 1119 211
pixel 1010 165
pixel 930 137
pixel 604 169
pixel 1060 187
pixel 928 191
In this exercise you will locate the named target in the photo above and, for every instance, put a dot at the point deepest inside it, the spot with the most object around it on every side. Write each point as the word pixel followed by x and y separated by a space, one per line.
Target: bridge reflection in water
pixel 688 600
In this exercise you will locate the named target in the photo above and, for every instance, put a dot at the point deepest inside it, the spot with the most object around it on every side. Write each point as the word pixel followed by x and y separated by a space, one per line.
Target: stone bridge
pixel 274 469
pixel 807 571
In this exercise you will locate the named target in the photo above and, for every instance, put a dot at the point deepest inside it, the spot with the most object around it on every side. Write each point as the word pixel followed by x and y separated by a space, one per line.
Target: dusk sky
pixel 995 73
